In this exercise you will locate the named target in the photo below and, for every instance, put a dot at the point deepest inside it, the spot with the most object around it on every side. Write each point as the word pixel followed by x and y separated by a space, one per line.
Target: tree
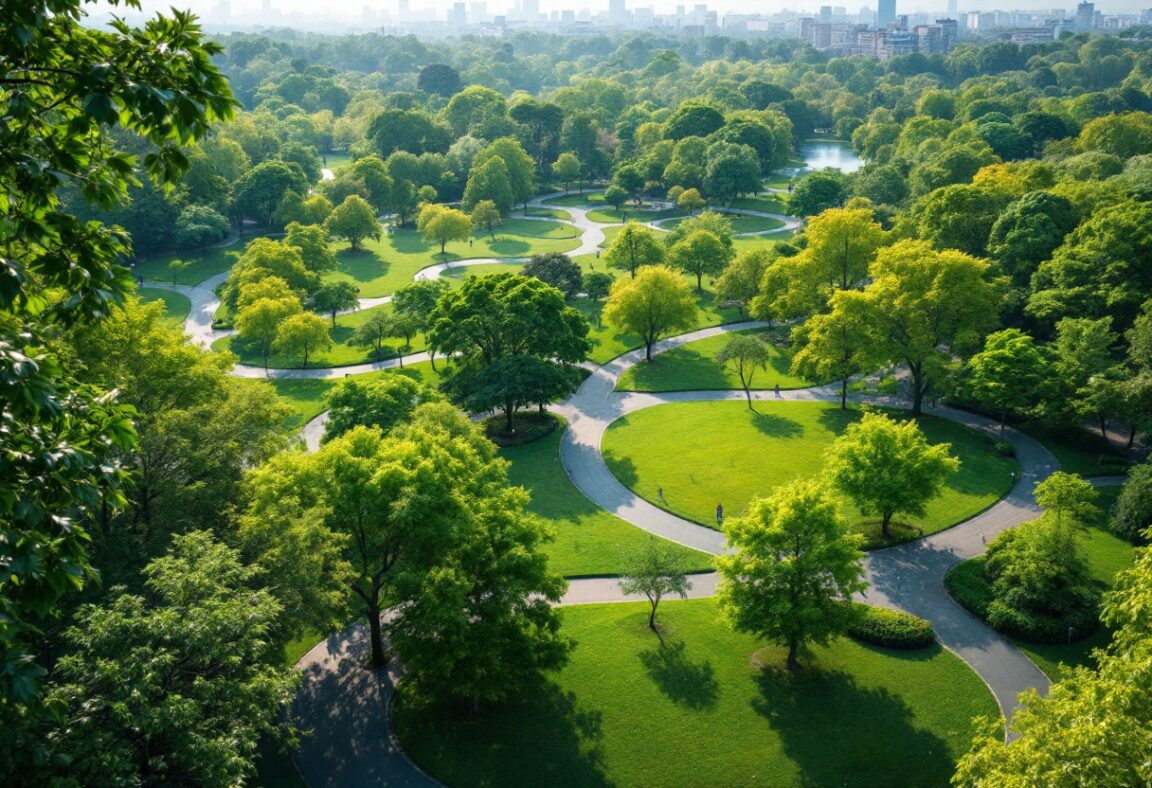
pixel 510 383
pixel 373 173
pixel 691 201
pixel 315 209
pixel 312 242
pixel 489 183
pixel 656 569
pixel 698 254
pixel 888 467
pixel 834 346
pixel 177 265
pixel 634 246
pixel 1092 726
pixel 259 322
pixel 178 686
pixel 486 215
pixel 567 168
pixel 1068 498
pixel 1009 374
pixel 383 403
pixel 745 354
pixel 692 119
pixel 923 306
pixel 200 226
pixel 260 190
pixel 354 220
pixel 302 334
pixel 730 170
pixel 408 130
pixel 336 297
pixel 793 570
pixel 492 317
pixel 1132 515
pixel 556 269
pixel 816 192
pixel 652 303
pixel 372 333
pixel 403 200
pixel 521 168
pixel 442 224
pixel 265 258
pixel 439 79
pixel 959 217
pixel 740 282
pixel 709 221
pixel 616 196
pixel 630 179
pixel 597 285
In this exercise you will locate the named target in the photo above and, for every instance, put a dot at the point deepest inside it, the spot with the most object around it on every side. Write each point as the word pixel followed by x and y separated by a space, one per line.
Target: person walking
pixel 719 514
pixel 777 390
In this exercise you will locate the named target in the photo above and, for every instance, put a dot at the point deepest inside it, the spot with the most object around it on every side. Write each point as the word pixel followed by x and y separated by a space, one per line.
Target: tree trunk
pixel 917 389
pixel 1103 425
pixel 401 357
pixel 648 351
pixel 793 650
pixel 884 524
pixel 844 394
pixel 652 616
pixel 748 396
pixel 305 364
pixel 1003 418
pixel 508 411
pixel 442 243
pixel 377 637
pixel 1131 437
pixel 699 282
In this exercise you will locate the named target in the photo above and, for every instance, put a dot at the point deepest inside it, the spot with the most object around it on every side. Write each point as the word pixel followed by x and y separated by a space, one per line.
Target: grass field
pixel 765 203
pixel 589 540
pixel 306 397
pixel 693 367
pixel 1080 451
pixel 339 355
pixel 577 200
pixel 704 453
pixel 1107 555
pixel 698 710
pixel 740 224
pixel 176 305
pixel 381 267
pixel 202 265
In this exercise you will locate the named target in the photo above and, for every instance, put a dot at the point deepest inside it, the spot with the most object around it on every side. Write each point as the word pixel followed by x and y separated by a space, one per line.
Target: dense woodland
pixel 163 544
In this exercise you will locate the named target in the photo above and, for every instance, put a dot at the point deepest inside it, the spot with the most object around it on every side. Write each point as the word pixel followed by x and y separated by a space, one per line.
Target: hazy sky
pixel 352 9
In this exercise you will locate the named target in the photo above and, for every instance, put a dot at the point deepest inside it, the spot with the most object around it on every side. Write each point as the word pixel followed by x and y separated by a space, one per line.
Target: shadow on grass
pixel 686 683
pixel 623 468
pixel 832 727
pixel 506 247
pixel 362 265
pixel 776 426
pixel 544 738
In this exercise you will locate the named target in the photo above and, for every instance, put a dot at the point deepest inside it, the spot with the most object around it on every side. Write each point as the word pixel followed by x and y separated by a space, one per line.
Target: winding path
pixel 347 706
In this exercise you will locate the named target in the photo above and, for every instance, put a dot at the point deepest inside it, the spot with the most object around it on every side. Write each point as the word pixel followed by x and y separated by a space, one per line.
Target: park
pixel 667 418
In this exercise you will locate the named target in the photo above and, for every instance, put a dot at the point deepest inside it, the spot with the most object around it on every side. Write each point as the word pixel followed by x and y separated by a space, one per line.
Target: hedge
pixel 890 628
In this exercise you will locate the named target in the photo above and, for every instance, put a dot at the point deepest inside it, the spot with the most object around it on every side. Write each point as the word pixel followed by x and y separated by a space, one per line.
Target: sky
pixel 352 9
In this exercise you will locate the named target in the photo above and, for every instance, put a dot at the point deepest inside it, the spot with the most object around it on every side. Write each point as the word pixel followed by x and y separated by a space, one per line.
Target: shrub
pixel 1005 449
pixel 969 587
pixel 1132 514
pixel 890 628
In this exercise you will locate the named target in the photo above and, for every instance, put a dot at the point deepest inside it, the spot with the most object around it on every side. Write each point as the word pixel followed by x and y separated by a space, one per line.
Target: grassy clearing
pixel 341 354
pixel 589 540
pixel 202 265
pixel 576 200
pixel 381 267
pixel 740 224
pixel 693 367
pixel 704 453
pixel 765 203
pixel 306 397
pixel 1107 555
pixel 176 305
pixel 1080 451
pixel 697 710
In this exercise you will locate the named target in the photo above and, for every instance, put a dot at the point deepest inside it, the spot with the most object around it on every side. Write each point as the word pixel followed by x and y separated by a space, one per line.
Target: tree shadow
pixel 686 683
pixel 507 247
pixel 832 727
pixel 623 468
pixel 836 421
pixel 776 426
pixel 362 265
pixel 541 738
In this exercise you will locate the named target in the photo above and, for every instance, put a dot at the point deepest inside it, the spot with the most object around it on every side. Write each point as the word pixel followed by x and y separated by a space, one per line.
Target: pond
pixel 818 154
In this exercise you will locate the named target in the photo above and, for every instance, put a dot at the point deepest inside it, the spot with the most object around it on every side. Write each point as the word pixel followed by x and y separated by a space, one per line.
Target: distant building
pixel 617 12
pixel 1085 17
pixel 885 13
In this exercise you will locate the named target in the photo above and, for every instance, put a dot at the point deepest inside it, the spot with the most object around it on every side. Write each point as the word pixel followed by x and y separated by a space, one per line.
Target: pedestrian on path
pixel 777 390
pixel 660 494
pixel 719 514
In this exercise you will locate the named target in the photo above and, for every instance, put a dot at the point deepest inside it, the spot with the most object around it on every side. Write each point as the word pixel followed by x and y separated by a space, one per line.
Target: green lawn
pixel 740 224
pixel 609 342
pixel 176 305
pixel 576 200
pixel 610 215
pixel 341 354
pixel 306 397
pixel 381 267
pixel 552 213
pixel 589 540
pixel 1080 451
pixel 1107 555
pixel 704 453
pixel 693 367
pixel 203 265
pixel 455 276
pixel 698 710
pixel 765 203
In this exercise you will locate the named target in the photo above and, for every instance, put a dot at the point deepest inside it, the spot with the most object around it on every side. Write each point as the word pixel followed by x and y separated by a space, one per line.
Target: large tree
pixel 793 570
pixel 260 190
pixel 834 346
pixel 178 686
pixel 353 220
pixel 655 569
pixel 1009 374
pixel 335 297
pixel 302 335
pixel 556 269
pixel 264 258
pixel 521 169
pixel 442 224
pixel 698 254
pixel 258 321
pixel 383 403
pixel 887 467
pixel 489 182
pixel 740 282
pixel 923 307
pixel 653 303
pixel 634 246
pixel 416 301
pixel 745 354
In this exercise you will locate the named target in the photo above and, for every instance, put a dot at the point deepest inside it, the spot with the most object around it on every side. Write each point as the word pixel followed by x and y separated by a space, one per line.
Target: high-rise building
pixel 952 7
pixel 617 12
pixel 531 9
pixel 1085 17
pixel 885 13
pixel 457 16
pixel 402 10
pixel 825 14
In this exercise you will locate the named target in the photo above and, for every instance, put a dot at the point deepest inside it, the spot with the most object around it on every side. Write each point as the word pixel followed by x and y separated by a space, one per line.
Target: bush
pixel 1037 627
pixel 1005 449
pixel 1132 515
pixel 890 628
pixel 969 587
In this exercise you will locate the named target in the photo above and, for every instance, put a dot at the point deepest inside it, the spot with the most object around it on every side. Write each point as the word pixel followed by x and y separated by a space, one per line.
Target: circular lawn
pixel 708 453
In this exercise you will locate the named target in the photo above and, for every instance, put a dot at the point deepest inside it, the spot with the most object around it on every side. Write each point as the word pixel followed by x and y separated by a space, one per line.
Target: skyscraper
pixel 885 13
pixel 617 13
pixel 1085 17
pixel 952 6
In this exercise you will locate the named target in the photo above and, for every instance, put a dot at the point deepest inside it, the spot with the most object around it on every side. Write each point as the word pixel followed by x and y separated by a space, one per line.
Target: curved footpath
pixel 346 706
